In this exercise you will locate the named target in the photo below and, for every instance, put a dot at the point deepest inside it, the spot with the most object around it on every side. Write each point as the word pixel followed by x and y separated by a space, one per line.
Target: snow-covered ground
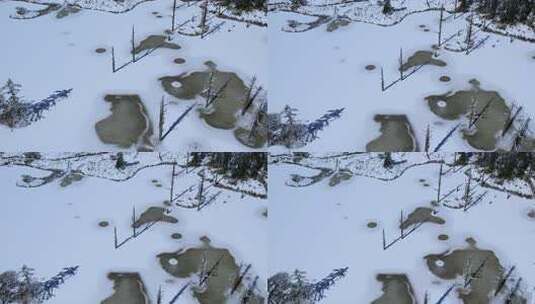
pixel 317 70
pixel 51 227
pixel 320 227
pixel 46 54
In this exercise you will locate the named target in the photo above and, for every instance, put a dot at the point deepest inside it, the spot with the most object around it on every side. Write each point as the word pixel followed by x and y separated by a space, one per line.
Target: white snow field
pixel 50 227
pixel 317 70
pixel 49 53
pixel 319 228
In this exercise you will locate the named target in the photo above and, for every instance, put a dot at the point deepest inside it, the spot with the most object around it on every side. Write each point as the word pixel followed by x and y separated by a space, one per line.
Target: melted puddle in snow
pixel 397 289
pixel 128 288
pixel 422 58
pixel 153 214
pixel 127 125
pixel 487 128
pixel 422 215
pixel 155 41
pixel 222 114
pixel 397 135
pixel 451 265
pixel 183 264
pixel 225 110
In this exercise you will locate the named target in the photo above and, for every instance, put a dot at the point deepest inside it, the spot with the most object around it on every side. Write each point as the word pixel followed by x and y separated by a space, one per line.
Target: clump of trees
pixel 236 165
pixel 295 4
pixel 16 112
pixel 501 165
pixel 245 5
pixel 387 7
pixel 505 11
pixel 295 288
pixel 23 287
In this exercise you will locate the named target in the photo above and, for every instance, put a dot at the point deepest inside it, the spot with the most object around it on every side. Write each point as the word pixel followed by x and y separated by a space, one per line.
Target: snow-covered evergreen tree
pixel 23 287
pixel 48 287
pixel 15 112
pixel 314 127
pixel 295 288
pixel 285 129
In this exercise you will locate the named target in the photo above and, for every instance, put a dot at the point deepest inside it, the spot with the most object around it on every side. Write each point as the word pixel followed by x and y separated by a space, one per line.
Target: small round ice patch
pixel 176 84
pixel 439 263
pixel 173 262
pixel 442 104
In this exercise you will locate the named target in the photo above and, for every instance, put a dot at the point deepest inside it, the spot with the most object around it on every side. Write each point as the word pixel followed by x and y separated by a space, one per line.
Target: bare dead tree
pixel 134 221
pixel 440 26
pixel 480 114
pixel 250 291
pixel 257 121
pixel 161 121
pixel 113 59
pixel 427 139
pixel 159 296
pixel 204 15
pixel 445 295
pixel 177 121
pixel 520 136
pixel 115 237
pixel 382 80
pixel 239 279
pixel 133 41
pixel 211 271
pixel 504 280
pixel 401 63
pixel 250 97
pixel 183 193
pixel 118 244
pixel 401 225
pixel 402 234
pixel 467 189
pixel 511 121
pixel 173 20
pixel 512 295
pixel 171 192
pixel 445 139
pixel 134 58
pixel 211 98
pixel 439 188
pixel 179 293
pixel 402 74
pixel 200 193
pixel 469 32
pixel 471 275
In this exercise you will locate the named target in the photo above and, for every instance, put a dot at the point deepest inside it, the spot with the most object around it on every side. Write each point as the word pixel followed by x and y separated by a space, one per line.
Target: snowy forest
pixel 425 228
pixel 117 228
pixel 267 151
